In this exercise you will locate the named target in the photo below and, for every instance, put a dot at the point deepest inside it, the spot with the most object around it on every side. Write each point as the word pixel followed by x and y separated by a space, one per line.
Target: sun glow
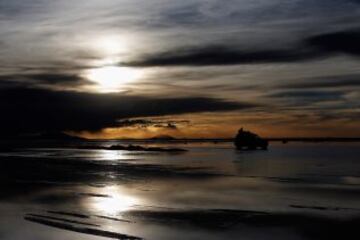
pixel 111 78
pixel 110 45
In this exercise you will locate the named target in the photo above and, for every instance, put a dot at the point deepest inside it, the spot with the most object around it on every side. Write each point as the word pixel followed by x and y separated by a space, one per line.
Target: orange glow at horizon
pixel 209 125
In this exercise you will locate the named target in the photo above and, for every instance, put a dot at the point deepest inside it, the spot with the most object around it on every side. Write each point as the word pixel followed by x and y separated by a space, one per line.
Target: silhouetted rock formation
pixel 246 140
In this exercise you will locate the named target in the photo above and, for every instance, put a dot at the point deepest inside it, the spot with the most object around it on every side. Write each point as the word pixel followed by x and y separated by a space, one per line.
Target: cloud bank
pixel 35 110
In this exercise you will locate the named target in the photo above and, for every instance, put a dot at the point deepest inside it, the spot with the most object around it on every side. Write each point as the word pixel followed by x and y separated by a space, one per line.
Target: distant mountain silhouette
pixel 163 137
pixel 46 136
pixel 56 136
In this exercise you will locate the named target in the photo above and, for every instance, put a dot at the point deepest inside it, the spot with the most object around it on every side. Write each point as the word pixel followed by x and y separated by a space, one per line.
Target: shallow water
pixel 209 192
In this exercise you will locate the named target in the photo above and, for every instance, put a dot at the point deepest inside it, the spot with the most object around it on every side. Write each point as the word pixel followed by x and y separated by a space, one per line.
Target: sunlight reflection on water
pixel 110 154
pixel 115 202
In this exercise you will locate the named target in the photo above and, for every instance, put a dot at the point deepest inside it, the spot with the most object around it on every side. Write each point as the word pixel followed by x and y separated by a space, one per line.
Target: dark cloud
pixel 144 123
pixel 171 126
pixel 315 47
pixel 29 110
pixel 304 98
pixel 343 42
pixel 222 55
pixel 55 78
pixel 326 82
pixel 30 80
pixel 308 94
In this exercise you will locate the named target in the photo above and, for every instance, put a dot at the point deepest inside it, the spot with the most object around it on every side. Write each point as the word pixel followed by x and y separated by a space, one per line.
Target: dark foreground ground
pixel 208 192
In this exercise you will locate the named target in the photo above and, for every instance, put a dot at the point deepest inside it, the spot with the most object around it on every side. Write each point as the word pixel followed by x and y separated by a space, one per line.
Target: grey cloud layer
pixel 316 47
pixel 352 81
pixel 239 45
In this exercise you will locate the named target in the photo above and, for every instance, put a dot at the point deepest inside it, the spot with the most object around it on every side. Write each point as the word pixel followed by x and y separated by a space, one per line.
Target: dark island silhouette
pixel 162 138
pixel 246 140
pixel 133 148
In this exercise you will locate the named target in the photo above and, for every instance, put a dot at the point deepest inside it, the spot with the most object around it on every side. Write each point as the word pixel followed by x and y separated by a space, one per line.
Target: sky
pixel 191 68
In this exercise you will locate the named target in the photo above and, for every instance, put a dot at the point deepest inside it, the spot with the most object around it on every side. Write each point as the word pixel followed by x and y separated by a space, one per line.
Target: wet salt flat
pixel 292 191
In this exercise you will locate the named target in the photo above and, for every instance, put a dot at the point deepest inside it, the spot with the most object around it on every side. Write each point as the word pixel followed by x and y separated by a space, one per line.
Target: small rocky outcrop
pixel 246 140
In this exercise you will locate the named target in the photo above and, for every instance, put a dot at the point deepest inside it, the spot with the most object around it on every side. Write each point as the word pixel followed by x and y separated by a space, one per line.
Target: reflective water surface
pixel 209 192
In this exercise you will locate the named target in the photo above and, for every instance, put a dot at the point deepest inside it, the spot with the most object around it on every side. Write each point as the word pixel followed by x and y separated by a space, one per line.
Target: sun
pixel 112 78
